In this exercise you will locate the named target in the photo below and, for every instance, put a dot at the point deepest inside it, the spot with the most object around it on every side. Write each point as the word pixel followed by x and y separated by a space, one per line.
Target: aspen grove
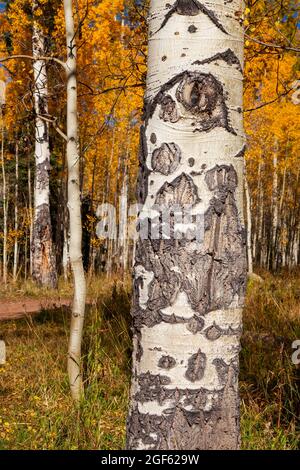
pixel 150 224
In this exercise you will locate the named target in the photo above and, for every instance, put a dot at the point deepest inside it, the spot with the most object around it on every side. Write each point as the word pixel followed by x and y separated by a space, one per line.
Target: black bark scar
pixel 227 56
pixel 241 153
pixel 191 8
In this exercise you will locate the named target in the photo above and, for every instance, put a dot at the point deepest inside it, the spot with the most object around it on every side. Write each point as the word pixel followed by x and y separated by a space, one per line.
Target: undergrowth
pixel 35 407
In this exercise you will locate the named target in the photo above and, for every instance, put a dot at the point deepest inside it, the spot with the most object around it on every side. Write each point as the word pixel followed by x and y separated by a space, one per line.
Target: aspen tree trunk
pixel 66 255
pixel 123 226
pixel 44 266
pixel 123 236
pixel 260 243
pixel 25 256
pixel 30 213
pixel 74 206
pixel 110 240
pixel 273 247
pixel 66 234
pixel 257 212
pixel 249 225
pixel 188 296
pixel 5 206
pixel 281 225
pixel 16 247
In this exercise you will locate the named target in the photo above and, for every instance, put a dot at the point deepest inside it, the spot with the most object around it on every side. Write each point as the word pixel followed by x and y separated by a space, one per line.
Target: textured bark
pixel 74 206
pixel 43 259
pixel 188 296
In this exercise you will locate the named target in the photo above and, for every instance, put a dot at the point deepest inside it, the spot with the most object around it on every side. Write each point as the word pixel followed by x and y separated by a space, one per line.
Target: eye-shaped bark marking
pixel 214 112
pixel 195 324
pixel 196 366
pixel 202 95
pixel 182 192
pixel 168 110
pixel 166 158
pixel 166 362
pixel 191 8
pixel 227 56
pixel 213 332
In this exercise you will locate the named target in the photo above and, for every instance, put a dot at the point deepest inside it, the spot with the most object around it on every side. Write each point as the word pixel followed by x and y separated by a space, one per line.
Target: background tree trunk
pixel 273 248
pixel 188 296
pixel 16 247
pixel 249 225
pixel 74 205
pixel 5 204
pixel 30 217
pixel 43 259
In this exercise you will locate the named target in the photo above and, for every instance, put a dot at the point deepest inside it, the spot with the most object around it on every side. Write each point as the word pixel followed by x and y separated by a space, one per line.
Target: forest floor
pixel 20 299
pixel 13 310
pixel 35 407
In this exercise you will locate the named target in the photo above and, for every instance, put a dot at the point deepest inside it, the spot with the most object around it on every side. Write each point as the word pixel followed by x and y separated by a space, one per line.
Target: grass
pixel 36 411
pixel 29 289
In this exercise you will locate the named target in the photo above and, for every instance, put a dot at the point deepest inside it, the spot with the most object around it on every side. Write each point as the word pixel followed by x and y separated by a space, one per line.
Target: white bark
pixel 5 205
pixel 44 267
pixel 16 247
pixel 274 207
pixel 259 231
pixel 123 228
pixel 249 225
pixel 186 312
pixel 66 255
pixel 74 206
pixel 30 214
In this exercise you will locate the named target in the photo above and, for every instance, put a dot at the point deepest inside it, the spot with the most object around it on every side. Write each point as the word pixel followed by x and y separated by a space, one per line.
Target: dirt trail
pixel 14 309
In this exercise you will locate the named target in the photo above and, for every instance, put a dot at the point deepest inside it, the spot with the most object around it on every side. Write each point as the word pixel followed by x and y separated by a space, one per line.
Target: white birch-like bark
pixel 259 231
pixel 188 296
pixel 66 255
pixel 256 220
pixel 123 227
pixel 249 225
pixel 74 206
pixel 111 241
pixel 16 246
pixel 5 205
pixel 30 214
pixel 43 259
pixel 274 208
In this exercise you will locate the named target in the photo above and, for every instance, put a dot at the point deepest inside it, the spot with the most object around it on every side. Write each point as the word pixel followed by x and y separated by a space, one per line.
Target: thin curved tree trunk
pixel 43 259
pixel 249 225
pixel 188 295
pixel 30 215
pixel 5 204
pixel 273 248
pixel 16 245
pixel 74 205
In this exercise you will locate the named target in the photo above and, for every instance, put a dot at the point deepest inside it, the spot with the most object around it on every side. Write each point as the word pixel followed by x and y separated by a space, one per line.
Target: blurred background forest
pixel 111 65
